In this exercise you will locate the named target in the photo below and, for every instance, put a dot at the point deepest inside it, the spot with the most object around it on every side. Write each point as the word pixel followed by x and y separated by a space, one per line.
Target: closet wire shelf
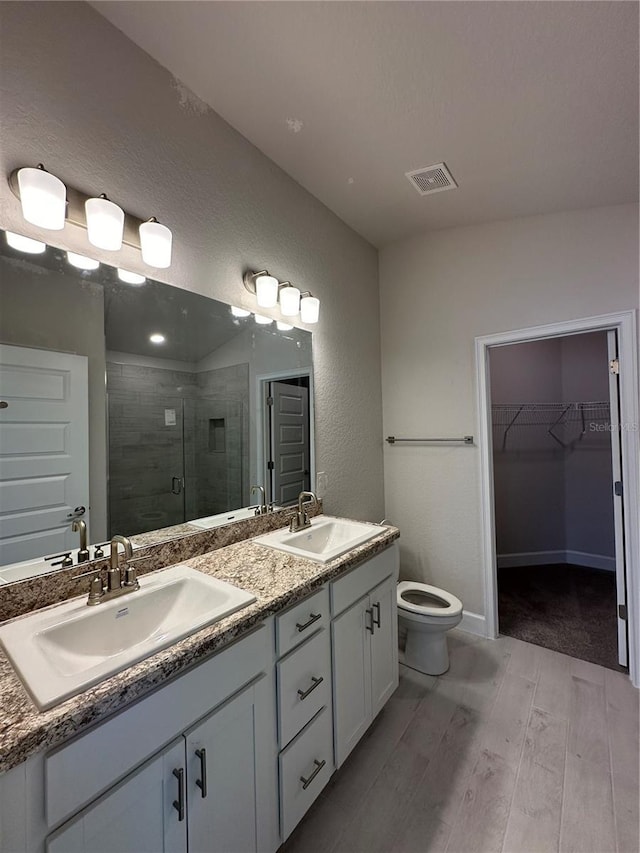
pixel 551 415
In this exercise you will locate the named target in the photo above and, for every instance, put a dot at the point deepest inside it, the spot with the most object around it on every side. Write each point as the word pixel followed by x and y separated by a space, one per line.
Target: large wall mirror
pixel 143 409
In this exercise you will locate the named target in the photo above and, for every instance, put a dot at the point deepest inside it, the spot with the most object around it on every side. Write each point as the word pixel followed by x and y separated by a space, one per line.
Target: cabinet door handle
pixel 369 612
pixel 307 782
pixel 202 781
pixel 375 621
pixel 314 618
pixel 316 682
pixel 179 803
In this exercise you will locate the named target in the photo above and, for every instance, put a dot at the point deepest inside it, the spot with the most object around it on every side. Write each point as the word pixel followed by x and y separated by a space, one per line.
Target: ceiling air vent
pixel 432 179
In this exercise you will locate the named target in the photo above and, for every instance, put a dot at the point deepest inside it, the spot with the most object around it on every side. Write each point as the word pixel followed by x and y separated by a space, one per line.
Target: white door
pixel 44 451
pixel 290 452
pixel 141 815
pixel 618 499
pixel 351 650
pixel 384 644
pixel 221 777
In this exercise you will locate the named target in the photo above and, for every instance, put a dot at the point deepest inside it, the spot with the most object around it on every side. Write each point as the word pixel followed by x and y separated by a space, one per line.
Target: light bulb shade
pixel 283 327
pixel 82 262
pixel 25 244
pixel 289 301
pixel 155 244
pixel 309 309
pixel 239 312
pixel 263 321
pixel 130 277
pixel 266 291
pixel 105 223
pixel 43 198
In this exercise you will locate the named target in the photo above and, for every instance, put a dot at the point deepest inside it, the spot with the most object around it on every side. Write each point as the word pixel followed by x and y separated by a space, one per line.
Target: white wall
pixel 105 117
pixel 438 292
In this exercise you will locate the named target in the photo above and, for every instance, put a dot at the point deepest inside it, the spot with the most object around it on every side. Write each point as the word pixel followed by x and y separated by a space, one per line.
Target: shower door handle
pixel 176 485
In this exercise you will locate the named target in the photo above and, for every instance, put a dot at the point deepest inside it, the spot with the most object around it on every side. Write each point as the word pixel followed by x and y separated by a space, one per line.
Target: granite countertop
pixel 278 580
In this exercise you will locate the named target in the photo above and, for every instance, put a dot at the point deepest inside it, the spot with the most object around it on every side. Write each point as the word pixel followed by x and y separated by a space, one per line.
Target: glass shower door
pixel 146 461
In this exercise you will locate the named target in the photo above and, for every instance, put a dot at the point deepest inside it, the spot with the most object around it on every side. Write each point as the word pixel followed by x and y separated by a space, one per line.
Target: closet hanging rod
pixel 466 439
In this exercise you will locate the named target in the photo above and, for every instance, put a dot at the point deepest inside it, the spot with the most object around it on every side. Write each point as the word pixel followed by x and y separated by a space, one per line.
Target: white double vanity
pixel 220 742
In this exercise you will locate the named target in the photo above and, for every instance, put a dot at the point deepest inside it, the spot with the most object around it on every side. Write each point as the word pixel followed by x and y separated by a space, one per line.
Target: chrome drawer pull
pixel 369 612
pixel 202 781
pixel 373 618
pixel 314 618
pixel 304 693
pixel 179 803
pixel 307 782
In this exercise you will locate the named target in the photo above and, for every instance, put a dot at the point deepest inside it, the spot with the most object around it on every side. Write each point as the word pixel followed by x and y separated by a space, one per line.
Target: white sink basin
pixel 326 539
pixel 63 651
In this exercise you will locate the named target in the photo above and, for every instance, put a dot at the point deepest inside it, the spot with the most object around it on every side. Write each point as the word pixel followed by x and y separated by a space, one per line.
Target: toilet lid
pixel 426 599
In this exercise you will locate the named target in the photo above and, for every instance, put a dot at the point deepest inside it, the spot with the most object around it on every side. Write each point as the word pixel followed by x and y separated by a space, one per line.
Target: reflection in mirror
pixel 198 406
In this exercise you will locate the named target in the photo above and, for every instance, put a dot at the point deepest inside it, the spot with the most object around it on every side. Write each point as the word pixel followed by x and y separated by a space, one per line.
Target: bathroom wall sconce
pixel 25 244
pixel 48 203
pixel 268 291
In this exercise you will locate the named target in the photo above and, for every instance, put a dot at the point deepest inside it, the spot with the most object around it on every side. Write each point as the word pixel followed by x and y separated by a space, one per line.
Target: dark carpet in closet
pixel 569 609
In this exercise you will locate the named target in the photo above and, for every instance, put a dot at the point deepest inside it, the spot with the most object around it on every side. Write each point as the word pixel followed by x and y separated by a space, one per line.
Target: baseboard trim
pixel 547 558
pixel 473 623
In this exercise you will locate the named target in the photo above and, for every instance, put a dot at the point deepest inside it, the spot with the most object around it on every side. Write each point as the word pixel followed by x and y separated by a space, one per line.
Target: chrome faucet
pixel 301 520
pixel 80 526
pixel 262 508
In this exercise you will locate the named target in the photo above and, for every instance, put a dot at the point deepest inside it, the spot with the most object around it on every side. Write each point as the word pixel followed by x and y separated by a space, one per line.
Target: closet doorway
pixel 554 496
pixel 560 490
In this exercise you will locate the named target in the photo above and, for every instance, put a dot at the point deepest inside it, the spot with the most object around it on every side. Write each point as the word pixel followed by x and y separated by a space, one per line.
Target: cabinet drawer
pixel 306 766
pixel 356 583
pixel 301 621
pixel 304 685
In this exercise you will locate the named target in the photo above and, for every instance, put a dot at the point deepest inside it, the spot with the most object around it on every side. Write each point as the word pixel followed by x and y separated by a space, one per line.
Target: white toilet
pixel 427 613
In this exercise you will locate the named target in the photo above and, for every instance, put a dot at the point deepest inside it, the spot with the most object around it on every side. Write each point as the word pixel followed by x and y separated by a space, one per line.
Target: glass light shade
pixel 25 244
pixel 43 198
pixel 263 321
pixel 283 327
pixel 130 277
pixel 289 301
pixel 105 223
pixel 267 291
pixel 82 262
pixel 309 309
pixel 157 338
pixel 155 244
pixel 239 312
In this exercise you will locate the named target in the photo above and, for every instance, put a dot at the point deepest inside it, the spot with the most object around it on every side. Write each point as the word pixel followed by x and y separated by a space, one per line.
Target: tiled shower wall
pixel 168 423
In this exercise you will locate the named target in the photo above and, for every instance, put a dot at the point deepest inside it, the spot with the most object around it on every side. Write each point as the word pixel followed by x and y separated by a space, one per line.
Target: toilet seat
pixel 451 606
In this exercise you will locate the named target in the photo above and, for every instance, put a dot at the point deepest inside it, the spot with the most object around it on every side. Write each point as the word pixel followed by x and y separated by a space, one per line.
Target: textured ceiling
pixel 532 105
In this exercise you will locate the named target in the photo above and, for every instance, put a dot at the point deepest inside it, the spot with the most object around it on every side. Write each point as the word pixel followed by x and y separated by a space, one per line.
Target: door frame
pixel 624 322
pixel 262 421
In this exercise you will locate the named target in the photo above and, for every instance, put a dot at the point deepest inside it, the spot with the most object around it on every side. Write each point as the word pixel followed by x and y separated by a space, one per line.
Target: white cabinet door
pixel 351 652
pixel 221 779
pixel 137 816
pixel 384 644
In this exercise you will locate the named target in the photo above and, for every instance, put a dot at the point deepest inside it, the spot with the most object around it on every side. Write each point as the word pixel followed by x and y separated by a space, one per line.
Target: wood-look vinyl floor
pixel 517 749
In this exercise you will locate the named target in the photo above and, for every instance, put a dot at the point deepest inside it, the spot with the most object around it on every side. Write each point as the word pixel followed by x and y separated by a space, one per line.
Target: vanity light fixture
pixel 309 309
pixel 43 197
pixel 283 327
pixel 267 289
pixel 155 243
pixel 130 277
pixel 25 244
pixel 82 262
pixel 48 203
pixel 157 338
pixel 240 312
pixel 263 321
pixel 105 223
